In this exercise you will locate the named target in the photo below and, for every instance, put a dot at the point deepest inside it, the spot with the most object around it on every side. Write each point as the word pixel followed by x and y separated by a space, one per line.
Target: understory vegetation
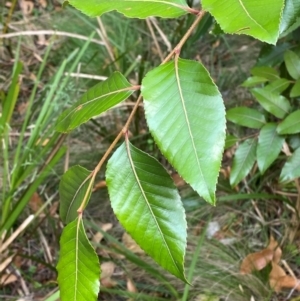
pixel 243 246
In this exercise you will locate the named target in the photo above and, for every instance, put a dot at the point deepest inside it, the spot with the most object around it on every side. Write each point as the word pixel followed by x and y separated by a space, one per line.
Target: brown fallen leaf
pixel 98 236
pixel 259 260
pixel 274 246
pixel 53 208
pixel 26 7
pixel 7 279
pixel 35 202
pixel 43 3
pixel 130 244
pixel 256 261
pixel 131 286
pixel 107 270
pixel 280 280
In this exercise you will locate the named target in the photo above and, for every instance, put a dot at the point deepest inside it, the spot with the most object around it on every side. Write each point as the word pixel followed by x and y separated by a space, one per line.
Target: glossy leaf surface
pixel 278 86
pixel 253 81
pixel 290 125
pixel 146 202
pixel 291 169
pixel 274 103
pixel 186 116
pixel 295 92
pixel 248 17
pixel 95 101
pixel 78 266
pixel 243 161
pixel 269 146
pixel 72 189
pixel 266 72
pixel 290 14
pixel 230 141
pixel 292 63
pixel 133 8
pixel 246 117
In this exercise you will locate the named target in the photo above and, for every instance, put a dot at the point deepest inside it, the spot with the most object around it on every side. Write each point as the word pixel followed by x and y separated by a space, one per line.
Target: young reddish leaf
pixel 146 202
pixel 186 116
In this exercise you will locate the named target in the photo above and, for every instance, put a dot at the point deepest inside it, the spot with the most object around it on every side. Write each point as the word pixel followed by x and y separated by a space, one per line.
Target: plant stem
pixel 185 37
pixel 176 51
pixel 105 156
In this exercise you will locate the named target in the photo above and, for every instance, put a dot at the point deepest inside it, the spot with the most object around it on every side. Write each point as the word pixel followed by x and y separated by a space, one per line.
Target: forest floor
pixel 249 218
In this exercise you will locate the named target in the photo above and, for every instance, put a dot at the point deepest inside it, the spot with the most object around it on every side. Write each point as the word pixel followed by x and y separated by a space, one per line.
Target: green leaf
pixel 266 72
pixel 258 19
pixel 294 141
pixel 295 26
pixel 186 116
pixel 290 125
pixel 292 63
pixel 291 169
pixel 290 14
pixel 78 266
pixel 146 202
pixel 243 161
pixel 95 101
pixel 275 104
pixel 134 9
pixel 9 102
pixel 278 86
pixel 230 141
pixel 246 117
pixel 271 55
pixel 72 189
pixel 253 81
pixel 269 146
pixel 295 92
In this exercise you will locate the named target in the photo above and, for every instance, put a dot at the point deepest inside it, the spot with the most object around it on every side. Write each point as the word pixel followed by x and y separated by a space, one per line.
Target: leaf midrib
pixel 148 204
pixel 276 105
pixel 250 117
pixel 270 142
pixel 157 1
pixel 292 125
pixel 176 62
pixel 251 18
pixel 76 193
pixel 247 154
pixel 81 105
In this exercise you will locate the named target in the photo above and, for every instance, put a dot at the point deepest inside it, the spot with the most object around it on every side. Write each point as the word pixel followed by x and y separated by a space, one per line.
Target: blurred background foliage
pixel 49 56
